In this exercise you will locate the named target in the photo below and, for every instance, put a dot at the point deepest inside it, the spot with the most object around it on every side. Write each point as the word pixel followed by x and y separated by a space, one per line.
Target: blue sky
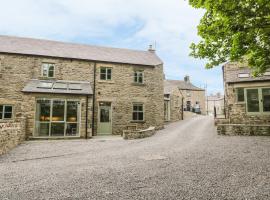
pixel 135 24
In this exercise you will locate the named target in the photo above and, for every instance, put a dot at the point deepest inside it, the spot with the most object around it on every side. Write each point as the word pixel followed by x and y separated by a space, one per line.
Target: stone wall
pixel 175 105
pixel 243 129
pixel 138 134
pixel 12 133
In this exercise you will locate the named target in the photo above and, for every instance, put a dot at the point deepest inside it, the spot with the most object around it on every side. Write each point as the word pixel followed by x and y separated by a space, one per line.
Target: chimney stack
pixel 151 49
pixel 186 79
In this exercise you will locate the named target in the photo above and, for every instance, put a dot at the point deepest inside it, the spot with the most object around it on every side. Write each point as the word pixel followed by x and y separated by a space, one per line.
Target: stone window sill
pixel 138 84
pixel 106 81
pixel 132 121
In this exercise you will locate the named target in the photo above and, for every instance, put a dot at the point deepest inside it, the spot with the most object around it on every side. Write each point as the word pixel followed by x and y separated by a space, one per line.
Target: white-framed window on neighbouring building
pixel 6 111
pixel 48 70
pixel 258 100
pixel 240 96
pixel 138 112
pixel 138 77
pixel 105 73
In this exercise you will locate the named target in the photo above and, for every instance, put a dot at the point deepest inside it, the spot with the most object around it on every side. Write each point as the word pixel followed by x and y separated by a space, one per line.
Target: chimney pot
pixel 187 79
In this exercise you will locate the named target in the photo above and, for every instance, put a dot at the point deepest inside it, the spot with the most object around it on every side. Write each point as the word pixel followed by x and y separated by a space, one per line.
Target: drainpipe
pixel 94 98
pixel 86 118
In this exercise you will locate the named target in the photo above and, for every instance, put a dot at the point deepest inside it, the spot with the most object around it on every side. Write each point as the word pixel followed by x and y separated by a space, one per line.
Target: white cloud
pixel 171 23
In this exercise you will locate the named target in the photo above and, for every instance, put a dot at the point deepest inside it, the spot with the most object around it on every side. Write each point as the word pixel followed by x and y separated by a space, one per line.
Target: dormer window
pixel 47 70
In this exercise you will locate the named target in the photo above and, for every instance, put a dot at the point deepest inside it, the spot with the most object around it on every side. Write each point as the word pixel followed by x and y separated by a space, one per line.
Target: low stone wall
pixel 137 134
pixel 243 129
pixel 11 134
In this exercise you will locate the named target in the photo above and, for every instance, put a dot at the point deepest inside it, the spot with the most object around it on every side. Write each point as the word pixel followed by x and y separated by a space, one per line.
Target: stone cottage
pixel 247 101
pixel 194 97
pixel 173 102
pixel 66 90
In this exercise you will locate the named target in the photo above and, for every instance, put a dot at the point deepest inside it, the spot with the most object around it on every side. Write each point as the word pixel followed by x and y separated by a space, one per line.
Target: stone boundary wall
pixel 243 129
pixel 137 134
pixel 12 133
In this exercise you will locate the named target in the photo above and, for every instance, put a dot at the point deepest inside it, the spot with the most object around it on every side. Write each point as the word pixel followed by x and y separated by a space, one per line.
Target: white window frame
pixel 3 112
pixel 47 65
pixel 143 111
pixel 261 112
pixel 136 76
pixel 65 116
pixel 106 73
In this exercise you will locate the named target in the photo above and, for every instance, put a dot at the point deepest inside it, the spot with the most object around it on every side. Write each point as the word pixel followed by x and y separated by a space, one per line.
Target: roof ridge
pixel 73 43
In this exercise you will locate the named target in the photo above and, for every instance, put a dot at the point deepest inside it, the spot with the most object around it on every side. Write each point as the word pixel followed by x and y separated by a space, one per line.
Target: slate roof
pixel 169 85
pixel 232 76
pixel 43 86
pixel 29 46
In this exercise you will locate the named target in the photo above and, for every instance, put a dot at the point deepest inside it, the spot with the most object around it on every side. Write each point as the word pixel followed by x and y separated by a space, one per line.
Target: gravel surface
pixel 186 160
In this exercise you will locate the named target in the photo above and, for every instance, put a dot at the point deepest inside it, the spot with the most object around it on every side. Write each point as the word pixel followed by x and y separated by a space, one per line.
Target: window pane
pixel 45 69
pixel 58 110
pixel 43 84
pixel 135 116
pixel 140 116
pixel 240 94
pixel 7 115
pixel 60 86
pixel 103 70
pixel 72 111
pixel 104 114
pixel 140 79
pixel 109 76
pixel 75 86
pixel 253 100
pixel 109 71
pixel 43 129
pixel 43 110
pixel 72 129
pixel 57 129
pixel 266 99
pixel 102 76
pixel 51 71
pixel 8 109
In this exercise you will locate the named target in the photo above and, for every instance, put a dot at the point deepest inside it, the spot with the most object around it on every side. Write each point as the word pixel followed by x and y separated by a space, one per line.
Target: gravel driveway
pixel 186 160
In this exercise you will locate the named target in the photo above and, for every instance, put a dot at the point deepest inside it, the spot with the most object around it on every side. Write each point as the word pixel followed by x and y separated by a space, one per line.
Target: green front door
pixel 104 119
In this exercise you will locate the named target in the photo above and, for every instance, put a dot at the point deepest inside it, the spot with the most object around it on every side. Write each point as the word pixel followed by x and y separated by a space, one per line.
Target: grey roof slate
pixel 232 76
pixel 30 46
pixel 33 87
pixel 182 85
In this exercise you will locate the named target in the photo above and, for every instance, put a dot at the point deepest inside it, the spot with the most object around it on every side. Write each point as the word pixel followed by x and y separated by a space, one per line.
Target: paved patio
pixel 186 160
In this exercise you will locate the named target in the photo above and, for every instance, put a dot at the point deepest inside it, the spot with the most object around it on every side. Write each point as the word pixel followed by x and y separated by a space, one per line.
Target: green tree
pixel 234 30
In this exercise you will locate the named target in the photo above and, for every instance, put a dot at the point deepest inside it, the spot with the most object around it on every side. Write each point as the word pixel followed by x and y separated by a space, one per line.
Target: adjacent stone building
pixel 173 102
pixel 247 102
pixel 194 97
pixel 65 90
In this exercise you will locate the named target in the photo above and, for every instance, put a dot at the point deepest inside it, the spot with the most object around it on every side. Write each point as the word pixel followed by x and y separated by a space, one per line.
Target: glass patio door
pixel 57 118
pixel 266 99
pixel 253 102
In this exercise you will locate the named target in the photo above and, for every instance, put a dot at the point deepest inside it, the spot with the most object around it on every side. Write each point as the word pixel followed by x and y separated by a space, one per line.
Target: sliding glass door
pixel 57 118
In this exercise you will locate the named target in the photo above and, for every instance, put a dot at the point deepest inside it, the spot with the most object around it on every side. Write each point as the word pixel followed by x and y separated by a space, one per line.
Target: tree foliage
pixel 234 30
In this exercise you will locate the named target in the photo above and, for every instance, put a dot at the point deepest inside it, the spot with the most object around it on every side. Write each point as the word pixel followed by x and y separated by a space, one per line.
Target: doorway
pixel 104 119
